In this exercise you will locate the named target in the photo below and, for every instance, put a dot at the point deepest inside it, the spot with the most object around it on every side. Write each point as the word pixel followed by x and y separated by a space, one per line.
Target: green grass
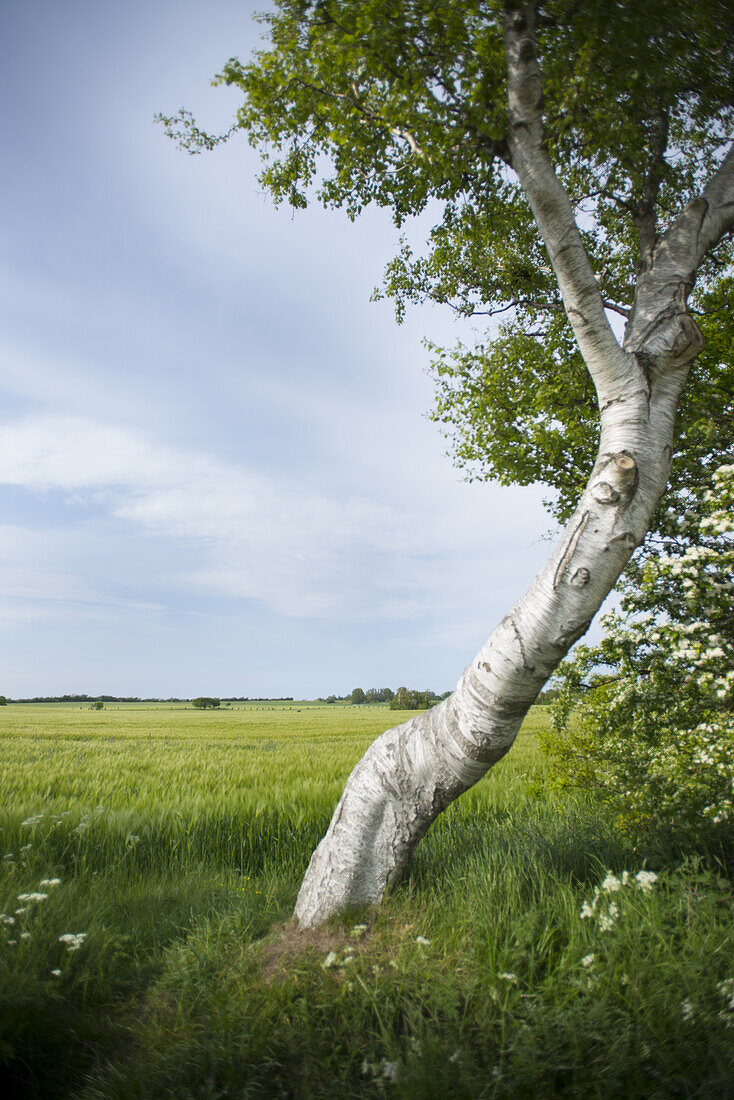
pixel 180 839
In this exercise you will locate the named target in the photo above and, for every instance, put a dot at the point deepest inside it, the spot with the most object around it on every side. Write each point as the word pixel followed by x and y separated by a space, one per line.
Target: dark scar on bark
pixel 626 536
pixel 572 634
pixel 525 663
pixel 570 547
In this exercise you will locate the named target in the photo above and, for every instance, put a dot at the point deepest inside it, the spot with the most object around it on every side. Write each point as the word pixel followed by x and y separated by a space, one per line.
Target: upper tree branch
pixel 670 271
pixel 644 210
pixel 719 198
pixel 702 222
pixel 550 204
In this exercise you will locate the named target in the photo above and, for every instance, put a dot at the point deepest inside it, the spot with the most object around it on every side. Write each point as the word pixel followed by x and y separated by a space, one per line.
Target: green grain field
pixel 179 838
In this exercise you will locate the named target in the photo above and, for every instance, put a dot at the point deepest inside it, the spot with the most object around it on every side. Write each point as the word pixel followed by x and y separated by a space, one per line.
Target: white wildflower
pixel 50 882
pixel 726 989
pixel 611 883
pixel 587 910
pixel 73 940
pixel 331 960
pixel 687 1010
pixel 588 960
pixel 56 973
pixel 32 897
pixel 646 880
pixel 5 919
pixel 423 941
pixel 358 931
pixel 508 976
pixel 390 1070
pixel 606 920
pixel 25 935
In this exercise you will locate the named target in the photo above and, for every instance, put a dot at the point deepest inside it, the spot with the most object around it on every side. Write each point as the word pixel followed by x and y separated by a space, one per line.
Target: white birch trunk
pixel 411 773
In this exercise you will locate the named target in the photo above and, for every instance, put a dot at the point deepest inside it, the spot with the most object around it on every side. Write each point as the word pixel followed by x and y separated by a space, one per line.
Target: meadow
pixel 151 856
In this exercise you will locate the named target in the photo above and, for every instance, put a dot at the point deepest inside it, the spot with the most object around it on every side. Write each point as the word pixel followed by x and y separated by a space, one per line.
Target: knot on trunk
pixel 615 479
pixel 671 338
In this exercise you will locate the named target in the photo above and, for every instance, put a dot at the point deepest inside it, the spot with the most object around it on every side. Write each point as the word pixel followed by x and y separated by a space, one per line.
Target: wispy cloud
pixel 300 551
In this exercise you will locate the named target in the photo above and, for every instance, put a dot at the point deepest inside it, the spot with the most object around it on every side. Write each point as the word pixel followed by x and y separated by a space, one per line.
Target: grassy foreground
pixel 179 839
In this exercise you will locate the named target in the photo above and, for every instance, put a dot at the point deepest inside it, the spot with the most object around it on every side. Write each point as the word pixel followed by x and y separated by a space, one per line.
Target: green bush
pixel 204 702
pixel 646 718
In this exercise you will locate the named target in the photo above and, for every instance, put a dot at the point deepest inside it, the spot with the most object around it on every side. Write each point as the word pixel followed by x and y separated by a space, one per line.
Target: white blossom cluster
pixel 32 900
pixel 654 725
pixel 603 909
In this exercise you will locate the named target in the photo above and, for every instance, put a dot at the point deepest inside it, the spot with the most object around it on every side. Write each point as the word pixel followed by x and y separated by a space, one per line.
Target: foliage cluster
pixel 361 102
pixel 646 718
pixel 205 702
pixel 408 699
pixel 372 695
pixel 403 699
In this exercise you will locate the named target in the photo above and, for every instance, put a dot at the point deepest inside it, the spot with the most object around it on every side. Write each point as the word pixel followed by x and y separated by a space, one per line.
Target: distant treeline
pixel 140 699
pixel 403 699
pixel 96 699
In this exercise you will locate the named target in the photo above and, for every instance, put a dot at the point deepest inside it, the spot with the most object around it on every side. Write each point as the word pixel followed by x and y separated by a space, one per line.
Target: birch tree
pixel 579 156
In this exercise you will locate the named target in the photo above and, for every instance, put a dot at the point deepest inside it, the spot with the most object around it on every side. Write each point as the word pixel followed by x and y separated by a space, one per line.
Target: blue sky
pixel 216 471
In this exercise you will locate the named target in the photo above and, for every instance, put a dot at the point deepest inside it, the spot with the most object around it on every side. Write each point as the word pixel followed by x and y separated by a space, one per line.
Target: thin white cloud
pixel 300 551
pixel 41 577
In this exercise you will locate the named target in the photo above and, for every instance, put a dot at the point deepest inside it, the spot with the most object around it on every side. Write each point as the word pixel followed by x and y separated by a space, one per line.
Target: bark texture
pixel 411 773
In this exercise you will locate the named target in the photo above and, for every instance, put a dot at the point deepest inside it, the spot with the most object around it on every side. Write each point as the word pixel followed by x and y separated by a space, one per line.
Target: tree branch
pixel 719 198
pixel 669 272
pixel 550 204
pixel 644 211
pixel 702 222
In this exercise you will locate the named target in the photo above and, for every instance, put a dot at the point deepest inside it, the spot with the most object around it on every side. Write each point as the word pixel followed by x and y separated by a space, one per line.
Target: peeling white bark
pixel 411 773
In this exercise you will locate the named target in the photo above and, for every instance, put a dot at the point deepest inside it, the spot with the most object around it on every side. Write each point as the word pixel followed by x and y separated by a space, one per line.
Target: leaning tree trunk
pixel 411 773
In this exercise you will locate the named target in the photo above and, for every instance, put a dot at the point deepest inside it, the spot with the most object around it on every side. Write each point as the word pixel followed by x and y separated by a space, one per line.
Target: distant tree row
pixel 259 699
pixel 372 695
pixel 403 699
pixel 97 699
pixel 407 699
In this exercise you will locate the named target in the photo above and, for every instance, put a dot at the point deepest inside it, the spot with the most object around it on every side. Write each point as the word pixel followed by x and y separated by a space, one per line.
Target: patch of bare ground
pixel 286 944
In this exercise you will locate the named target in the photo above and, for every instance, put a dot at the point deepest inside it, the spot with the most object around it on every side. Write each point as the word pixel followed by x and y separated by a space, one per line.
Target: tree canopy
pixel 205 702
pixel 404 105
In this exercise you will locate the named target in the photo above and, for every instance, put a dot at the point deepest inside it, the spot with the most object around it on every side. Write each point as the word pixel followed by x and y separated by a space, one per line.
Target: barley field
pixel 151 856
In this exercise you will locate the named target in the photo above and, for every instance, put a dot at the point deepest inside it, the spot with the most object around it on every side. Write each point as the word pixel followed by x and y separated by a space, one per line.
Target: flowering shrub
pixel 646 718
